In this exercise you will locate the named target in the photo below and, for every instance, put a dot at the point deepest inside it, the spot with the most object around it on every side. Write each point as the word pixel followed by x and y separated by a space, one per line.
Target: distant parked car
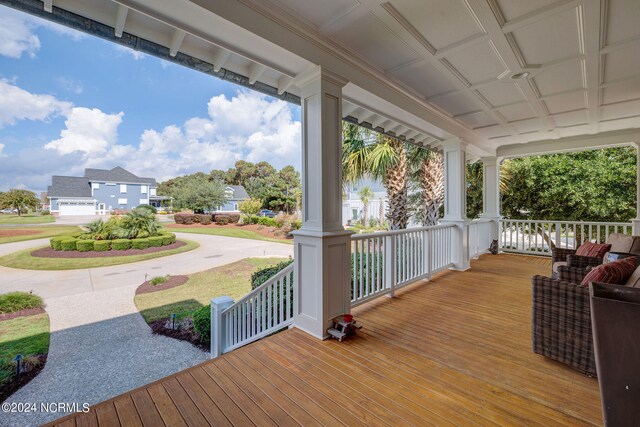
pixel 9 211
pixel 267 212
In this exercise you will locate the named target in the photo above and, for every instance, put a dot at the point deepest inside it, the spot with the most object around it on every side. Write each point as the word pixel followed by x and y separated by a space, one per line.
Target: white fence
pixel 382 262
pixel 263 311
pixel 480 236
pixel 539 237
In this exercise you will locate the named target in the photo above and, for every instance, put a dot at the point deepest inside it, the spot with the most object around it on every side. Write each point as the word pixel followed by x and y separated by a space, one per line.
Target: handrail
pixel 287 270
pixel 396 232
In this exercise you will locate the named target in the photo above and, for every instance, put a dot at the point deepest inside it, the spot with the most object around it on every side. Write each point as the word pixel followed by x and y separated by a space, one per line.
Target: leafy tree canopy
pixel 21 200
pixel 198 193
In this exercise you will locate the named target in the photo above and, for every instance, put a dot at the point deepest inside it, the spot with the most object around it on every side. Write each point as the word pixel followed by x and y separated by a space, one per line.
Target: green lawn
pixel 43 232
pixel 233 280
pixel 28 336
pixel 24 260
pixel 227 232
pixel 26 219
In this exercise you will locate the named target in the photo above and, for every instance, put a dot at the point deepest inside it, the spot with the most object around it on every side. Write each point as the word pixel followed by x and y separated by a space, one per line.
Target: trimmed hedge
pixel 84 245
pixel 56 242
pixel 267 222
pixel 233 218
pixel 120 244
pixel 140 243
pixel 155 242
pixel 262 275
pixel 101 245
pixel 222 219
pixel 68 244
pixel 202 323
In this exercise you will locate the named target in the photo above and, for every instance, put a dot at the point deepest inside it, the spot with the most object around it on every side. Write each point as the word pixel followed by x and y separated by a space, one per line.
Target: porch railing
pixel 385 261
pixel 539 237
pixel 263 311
pixel 480 235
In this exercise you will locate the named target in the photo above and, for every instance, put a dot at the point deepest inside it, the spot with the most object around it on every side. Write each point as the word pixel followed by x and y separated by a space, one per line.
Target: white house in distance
pixel 352 206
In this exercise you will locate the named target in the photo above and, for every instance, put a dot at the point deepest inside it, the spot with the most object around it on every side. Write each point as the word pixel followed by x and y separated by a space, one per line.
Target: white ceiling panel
pixel 621 92
pixel 566 102
pixel 492 131
pixel 573 131
pixel 425 79
pixel 620 110
pixel 517 112
pixel 560 78
pixel 628 123
pixel 526 126
pixel 454 104
pixel 512 9
pixel 477 63
pixel 478 119
pixel 623 20
pixel 622 63
pixel 320 13
pixel 571 118
pixel 372 40
pixel 550 39
pixel 440 22
pixel 502 93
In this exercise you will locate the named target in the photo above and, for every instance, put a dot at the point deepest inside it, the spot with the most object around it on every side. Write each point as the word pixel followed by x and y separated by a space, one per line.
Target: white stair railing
pixel 263 311
pixel 538 237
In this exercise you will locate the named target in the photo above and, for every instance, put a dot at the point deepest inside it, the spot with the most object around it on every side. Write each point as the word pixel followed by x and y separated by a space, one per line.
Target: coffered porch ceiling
pixel 424 70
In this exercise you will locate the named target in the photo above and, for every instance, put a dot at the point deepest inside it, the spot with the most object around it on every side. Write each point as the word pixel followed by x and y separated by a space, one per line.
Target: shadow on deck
pixel 453 351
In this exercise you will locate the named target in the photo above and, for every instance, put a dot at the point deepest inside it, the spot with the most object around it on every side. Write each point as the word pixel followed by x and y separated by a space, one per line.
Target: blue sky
pixel 70 101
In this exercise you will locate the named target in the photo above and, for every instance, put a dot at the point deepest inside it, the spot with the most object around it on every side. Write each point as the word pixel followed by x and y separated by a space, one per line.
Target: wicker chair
pixel 561 324
pixel 567 257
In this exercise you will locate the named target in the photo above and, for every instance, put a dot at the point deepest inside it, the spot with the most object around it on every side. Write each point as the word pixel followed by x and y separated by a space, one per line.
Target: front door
pixel 101 210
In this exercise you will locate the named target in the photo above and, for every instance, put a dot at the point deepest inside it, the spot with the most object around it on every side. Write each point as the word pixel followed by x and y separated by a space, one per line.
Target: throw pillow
pixel 616 272
pixel 594 250
pixel 634 280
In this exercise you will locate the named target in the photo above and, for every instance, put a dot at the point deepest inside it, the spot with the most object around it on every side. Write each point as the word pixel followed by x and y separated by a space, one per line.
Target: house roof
pixel 69 186
pixel 117 175
pixel 239 193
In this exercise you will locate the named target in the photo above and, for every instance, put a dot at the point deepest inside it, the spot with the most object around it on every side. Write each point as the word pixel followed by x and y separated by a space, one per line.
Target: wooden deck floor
pixel 453 351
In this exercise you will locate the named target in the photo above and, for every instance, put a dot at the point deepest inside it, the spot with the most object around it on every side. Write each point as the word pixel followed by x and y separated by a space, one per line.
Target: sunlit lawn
pixel 26 219
pixel 227 232
pixel 42 232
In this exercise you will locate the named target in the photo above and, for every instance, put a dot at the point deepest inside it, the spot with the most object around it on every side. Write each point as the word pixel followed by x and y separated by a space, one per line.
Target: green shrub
pixel 101 245
pixel 140 243
pixel 166 239
pixel 267 222
pixel 84 245
pixel 181 218
pixel 264 274
pixel 202 323
pixel 155 242
pixel 222 219
pixel 45 212
pixel 17 301
pixel 56 242
pixel 149 208
pixel 120 244
pixel 68 245
pixel 234 218
pixel 159 280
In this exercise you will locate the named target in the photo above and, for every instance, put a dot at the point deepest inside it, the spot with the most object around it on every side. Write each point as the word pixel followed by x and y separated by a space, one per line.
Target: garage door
pixel 73 209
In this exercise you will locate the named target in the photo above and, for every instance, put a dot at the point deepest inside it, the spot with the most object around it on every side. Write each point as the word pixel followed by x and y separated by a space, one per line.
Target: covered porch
pixel 455 350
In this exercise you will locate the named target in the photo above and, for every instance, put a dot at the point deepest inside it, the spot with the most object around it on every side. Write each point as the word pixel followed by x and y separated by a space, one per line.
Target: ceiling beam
pixel 284 83
pixel 540 14
pixel 48 5
pixel 348 109
pixel 590 34
pixel 121 19
pixel 176 41
pixel 220 58
pixel 255 72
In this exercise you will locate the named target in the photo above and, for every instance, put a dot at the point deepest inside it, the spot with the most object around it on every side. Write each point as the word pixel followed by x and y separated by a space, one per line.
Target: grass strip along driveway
pixel 24 259
pixel 232 279
pixel 19 234
pixel 228 232
pixel 26 219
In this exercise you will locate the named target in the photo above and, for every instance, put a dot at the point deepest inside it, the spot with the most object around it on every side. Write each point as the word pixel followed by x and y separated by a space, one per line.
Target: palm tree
pixel 356 148
pixel 365 195
pixel 388 161
pixel 428 176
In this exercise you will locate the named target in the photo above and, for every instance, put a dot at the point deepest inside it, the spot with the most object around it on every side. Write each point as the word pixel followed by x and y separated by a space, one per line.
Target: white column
pixel 636 222
pixel 321 246
pixel 455 199
pixel 491 195
pixel 218 328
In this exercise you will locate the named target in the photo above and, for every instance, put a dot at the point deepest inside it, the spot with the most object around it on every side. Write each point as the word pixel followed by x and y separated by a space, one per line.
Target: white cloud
pixel 18 104
pixel 1 149
pixel 17 33
pixel 137 55
pixel 89 131
pixel 70 85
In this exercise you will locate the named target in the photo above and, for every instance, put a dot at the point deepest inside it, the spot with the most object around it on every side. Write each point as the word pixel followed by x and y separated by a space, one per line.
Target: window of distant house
pixel 95 185
pixel 153 191
pixel 143 189
pixel 235 206
pixel 123 188
pixel 144 201
pixel 122 201
pixel 354 213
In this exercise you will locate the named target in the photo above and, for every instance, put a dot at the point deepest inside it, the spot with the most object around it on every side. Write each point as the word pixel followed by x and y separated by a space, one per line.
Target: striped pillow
pixel 594 250
pixel 616 272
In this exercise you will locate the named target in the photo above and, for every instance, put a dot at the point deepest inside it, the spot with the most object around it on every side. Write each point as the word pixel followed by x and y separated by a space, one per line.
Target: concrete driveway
pixel 100 346
pixel 213 251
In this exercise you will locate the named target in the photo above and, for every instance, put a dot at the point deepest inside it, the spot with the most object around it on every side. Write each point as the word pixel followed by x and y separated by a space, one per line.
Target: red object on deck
pixel 347 317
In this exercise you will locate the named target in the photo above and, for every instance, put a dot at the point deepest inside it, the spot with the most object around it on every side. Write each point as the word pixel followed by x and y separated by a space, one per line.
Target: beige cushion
pixel 557 264
pixel 634 280
pixel 620 242
pixel 635 248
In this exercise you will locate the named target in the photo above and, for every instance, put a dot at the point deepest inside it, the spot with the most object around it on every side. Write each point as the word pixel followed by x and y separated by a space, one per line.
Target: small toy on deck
pixel 343 326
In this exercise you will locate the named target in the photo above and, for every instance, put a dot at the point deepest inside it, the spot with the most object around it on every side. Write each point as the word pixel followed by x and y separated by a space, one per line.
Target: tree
pixel 21 200
pixel 200 194
pixel 250 206
pixel 365 195
pixel 474 190
pixel 427 182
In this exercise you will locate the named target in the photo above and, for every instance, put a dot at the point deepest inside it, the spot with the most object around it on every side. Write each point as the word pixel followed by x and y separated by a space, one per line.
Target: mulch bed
pixel 10 387
pixel 21 313
pixel 50 253
pixel 184 331
pixel 172 282
pixel 13 233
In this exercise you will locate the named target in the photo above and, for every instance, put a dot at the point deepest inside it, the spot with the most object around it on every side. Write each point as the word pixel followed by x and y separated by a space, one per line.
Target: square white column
pixel 636 221
pixel 491 194
pixel 455 199
pixel 322 248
